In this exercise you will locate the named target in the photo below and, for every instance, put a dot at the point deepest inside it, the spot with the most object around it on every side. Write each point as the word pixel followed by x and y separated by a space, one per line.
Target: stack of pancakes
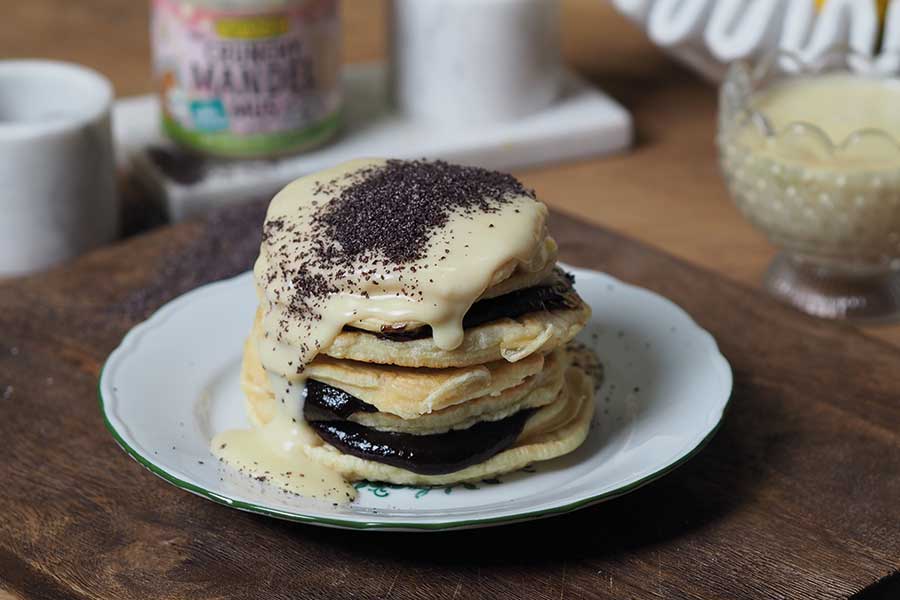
pixel 386 399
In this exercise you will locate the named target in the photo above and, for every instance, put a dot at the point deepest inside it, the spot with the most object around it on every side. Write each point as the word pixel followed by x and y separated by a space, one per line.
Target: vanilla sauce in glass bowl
pixel 817 166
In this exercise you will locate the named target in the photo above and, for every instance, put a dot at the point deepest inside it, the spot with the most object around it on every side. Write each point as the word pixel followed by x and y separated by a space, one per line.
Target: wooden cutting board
pixel 797 496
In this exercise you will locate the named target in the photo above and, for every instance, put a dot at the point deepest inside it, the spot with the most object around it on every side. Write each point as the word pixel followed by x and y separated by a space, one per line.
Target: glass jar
pixel 810 151
pixel 247 78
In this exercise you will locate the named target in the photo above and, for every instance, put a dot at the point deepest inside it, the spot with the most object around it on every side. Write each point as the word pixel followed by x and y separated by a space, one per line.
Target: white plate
pixel 173 383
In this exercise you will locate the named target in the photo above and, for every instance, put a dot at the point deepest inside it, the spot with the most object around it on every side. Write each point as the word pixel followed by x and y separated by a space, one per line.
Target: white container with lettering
pixel 247 78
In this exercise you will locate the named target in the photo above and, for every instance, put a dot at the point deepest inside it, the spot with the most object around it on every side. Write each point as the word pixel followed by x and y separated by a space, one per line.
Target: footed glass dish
pixel 810 152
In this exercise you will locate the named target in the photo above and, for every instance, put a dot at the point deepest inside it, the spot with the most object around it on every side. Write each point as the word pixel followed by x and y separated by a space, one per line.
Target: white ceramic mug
pixel 57 169
pixel 474 62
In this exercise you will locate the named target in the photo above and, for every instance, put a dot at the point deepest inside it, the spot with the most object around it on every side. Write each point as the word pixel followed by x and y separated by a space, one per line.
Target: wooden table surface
pixel 796 496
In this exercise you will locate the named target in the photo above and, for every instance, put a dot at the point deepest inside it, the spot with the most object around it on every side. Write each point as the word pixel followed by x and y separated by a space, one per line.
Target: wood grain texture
pixel 795 497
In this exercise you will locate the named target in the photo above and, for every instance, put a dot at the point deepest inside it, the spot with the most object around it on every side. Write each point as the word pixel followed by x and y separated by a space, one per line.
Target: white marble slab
pixel 583 122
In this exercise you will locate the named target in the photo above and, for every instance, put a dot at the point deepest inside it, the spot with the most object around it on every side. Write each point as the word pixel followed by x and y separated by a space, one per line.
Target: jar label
pixel 247 83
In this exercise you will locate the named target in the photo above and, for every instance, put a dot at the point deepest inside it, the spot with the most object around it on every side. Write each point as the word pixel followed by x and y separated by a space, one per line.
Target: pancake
pixel 510 277
pixel 407 392
pixel 549 431
pixel 536 391
pixel 541 444
pixel 372 244
pixel 556 292
pixel 502 339
pixel 508 327
pixel 530 394
pixel 522 277
pixel 432 454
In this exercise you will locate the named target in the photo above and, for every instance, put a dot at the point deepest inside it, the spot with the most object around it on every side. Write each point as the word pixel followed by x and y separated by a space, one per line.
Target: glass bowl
pixel 830 202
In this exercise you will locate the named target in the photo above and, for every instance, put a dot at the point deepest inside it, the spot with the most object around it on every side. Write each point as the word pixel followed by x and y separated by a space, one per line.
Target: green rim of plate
pixel 383 525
